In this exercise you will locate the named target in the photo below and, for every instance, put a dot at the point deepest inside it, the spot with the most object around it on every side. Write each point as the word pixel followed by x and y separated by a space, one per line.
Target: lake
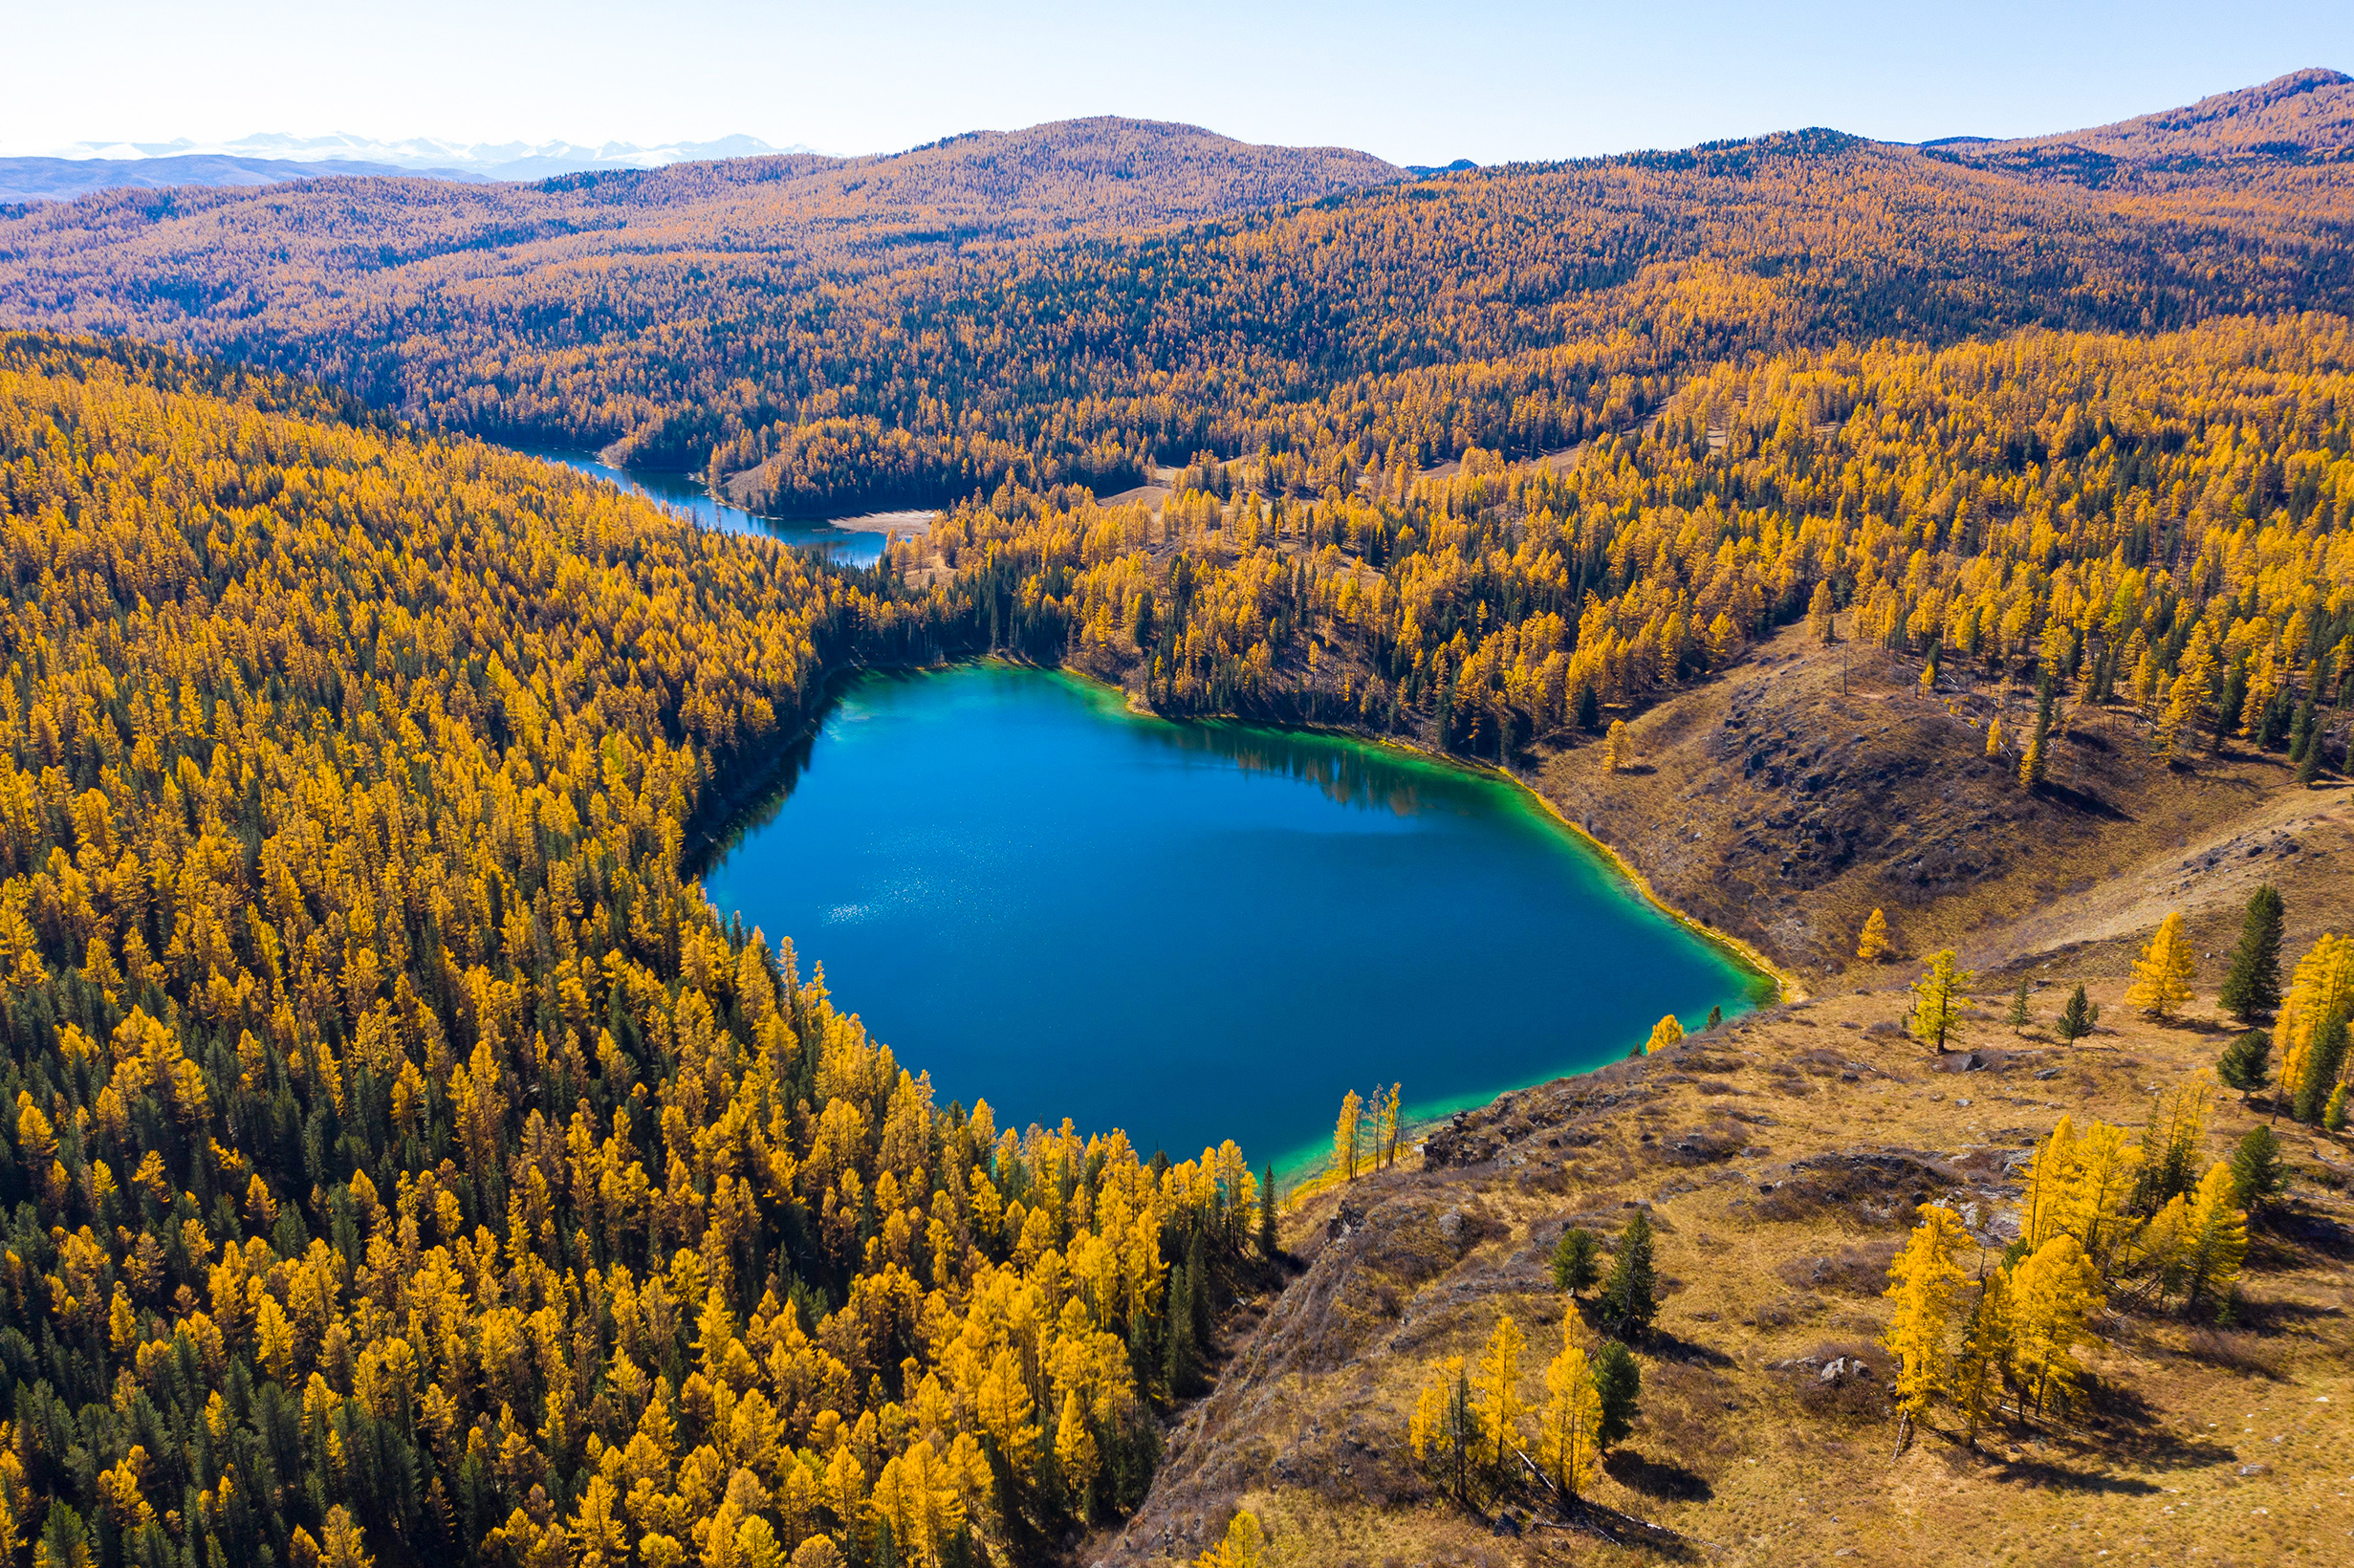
pixel 1194 932
pixel 686 493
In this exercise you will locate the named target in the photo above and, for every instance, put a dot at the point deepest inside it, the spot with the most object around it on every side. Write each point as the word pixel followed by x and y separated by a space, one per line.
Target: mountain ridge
pixel 67 179
pixel 520 161
pixel 2299 121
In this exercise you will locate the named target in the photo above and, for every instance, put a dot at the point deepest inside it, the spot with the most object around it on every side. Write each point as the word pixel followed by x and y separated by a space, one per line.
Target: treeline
pixel 811 337
pixel 398 1159
pixel 2161 521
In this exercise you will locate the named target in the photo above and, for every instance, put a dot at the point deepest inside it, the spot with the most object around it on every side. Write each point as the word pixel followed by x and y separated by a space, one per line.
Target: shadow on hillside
pixel 2330 1237
pixel 1657 1477
pixel 1668 1348
pixel 2084 803
pixel 2059 1477
pixel 2128 1424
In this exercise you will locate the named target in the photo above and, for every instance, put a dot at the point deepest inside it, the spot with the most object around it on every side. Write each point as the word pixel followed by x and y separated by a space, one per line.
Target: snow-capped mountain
pixel 478 160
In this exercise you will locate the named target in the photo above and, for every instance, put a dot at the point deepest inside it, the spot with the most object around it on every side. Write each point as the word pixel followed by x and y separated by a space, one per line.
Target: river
pixel 851 541
pixel 1194 932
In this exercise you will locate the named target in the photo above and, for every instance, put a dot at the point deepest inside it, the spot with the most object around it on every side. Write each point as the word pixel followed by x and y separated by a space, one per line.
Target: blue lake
pixel 685 492
pixel 1193 931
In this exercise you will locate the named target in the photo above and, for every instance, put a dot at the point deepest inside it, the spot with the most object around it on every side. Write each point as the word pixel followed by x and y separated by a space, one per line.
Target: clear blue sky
pixel 1414 83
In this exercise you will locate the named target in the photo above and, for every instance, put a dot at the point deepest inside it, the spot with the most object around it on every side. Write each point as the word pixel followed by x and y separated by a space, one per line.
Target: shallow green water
pixel 1194 932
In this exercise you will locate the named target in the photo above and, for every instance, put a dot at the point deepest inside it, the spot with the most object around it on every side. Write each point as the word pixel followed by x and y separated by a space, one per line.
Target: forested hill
pixel 2303 120
pixel 813 327
pixel 615 274
pixel 398 1161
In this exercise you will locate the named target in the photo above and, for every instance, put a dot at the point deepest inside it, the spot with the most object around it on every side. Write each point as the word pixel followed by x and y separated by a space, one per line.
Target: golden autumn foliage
pixel 2121 513
pixel 1075 303
pixel 2101 1216
pixel 1872 943
pixel 381 1101
pixel 2162 975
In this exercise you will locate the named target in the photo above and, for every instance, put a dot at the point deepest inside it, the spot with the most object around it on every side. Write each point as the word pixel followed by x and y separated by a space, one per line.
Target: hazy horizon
pixel 1503 82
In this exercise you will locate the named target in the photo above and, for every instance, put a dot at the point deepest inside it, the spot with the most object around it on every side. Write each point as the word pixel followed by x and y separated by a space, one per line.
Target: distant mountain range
pixel 85 166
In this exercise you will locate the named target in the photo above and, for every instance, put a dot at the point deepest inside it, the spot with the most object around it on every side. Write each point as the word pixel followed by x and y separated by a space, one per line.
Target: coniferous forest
pixel 404 1162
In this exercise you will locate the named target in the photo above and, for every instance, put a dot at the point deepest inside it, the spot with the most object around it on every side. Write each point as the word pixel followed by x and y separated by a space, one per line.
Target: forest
pixel 2158 521
pixel 402 1161
pixel 809 342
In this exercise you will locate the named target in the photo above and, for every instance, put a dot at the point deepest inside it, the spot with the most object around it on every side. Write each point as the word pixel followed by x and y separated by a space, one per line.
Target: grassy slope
pixel 1890 801
pixel 1772 805
pixel 1741 1444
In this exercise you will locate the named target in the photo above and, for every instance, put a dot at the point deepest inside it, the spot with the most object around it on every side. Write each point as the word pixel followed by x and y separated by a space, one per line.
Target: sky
pixel 1412 84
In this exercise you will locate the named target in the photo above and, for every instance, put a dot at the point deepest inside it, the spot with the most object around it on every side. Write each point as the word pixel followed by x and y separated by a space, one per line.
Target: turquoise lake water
pixel 1193 931
pixel 684 492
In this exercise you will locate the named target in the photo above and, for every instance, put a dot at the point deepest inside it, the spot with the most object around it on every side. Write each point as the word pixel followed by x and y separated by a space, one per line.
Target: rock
pixel 2047 1074
pixel 2255 1469
pixel 1833 1368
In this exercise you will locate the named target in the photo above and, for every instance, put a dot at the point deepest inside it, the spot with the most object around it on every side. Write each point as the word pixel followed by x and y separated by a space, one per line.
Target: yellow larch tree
pixel 2321 987
pixel 2162 975
pixel 1347 1133
pixel 1925 1283
pixel 1243 1546
pixel 1937 1001
pixel 1872 944
pixel 1988 1346
pixel 1497 1391
pixel 2054 1290
pixel 1569 1440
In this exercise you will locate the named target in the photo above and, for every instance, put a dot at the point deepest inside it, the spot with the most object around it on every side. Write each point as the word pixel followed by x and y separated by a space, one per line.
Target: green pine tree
pixel 1197 1293
pixel 1589 710
pixel 2233 704
pixel 1630 1297
pixel 1180 1354
pixel 2257 1175
pixel 2252 990
pixel 2300 729
pixel 1268 1246
pixel 1620 1382
pixel 2246 1064
pixel 2017 1017
pixel 2078 1017
pixel 1574 1266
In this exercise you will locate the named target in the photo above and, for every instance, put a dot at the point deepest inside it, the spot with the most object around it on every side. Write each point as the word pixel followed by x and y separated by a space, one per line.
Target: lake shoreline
pixel 768 776
pixel 1787 986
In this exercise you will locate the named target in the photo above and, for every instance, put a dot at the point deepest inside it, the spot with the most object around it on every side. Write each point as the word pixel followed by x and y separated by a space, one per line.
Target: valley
pixel 971 945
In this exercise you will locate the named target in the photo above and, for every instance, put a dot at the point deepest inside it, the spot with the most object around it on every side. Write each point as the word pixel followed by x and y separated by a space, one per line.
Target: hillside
pixel 2257 134
pixel 399 1160
pixel 1780 1160
pixel 1813 784
pixel 905 330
